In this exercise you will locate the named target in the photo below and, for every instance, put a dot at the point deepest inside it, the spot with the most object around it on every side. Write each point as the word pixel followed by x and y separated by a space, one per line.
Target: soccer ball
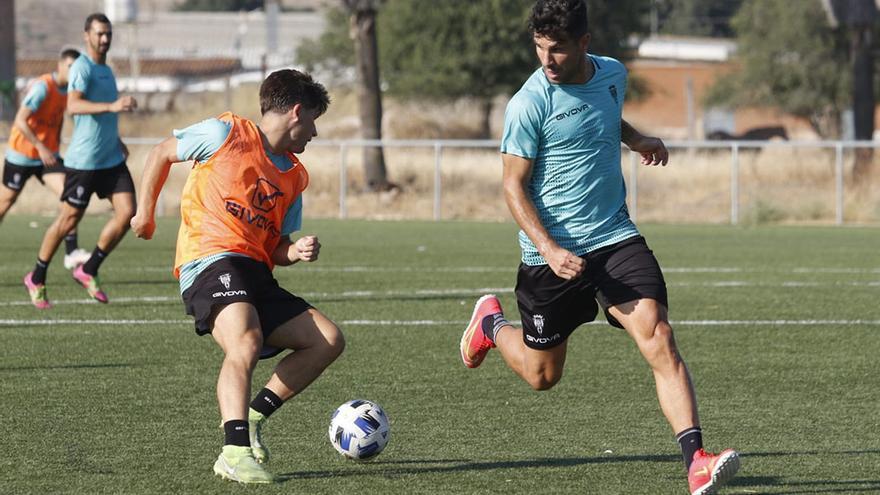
pixel 359 429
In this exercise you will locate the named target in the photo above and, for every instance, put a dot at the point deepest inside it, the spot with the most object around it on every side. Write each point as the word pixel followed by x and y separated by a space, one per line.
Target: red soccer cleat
pixel 709 471
pixel 474 343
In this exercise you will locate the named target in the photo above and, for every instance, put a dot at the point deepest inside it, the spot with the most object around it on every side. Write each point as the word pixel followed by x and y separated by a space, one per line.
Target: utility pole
pixel 8 93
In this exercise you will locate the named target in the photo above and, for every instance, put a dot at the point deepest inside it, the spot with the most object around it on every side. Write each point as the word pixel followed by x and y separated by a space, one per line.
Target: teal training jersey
pixel 199 142
pixel 571 132
pixel 95 141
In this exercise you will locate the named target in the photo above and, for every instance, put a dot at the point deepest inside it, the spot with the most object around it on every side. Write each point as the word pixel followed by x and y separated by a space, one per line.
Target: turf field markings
pixel 512 269
pixel 386 323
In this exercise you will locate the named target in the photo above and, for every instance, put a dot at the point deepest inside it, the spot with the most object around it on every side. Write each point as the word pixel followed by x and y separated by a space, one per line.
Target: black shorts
pixel 80 184
pixel 551 307
pixel 14 176
pixel 240 279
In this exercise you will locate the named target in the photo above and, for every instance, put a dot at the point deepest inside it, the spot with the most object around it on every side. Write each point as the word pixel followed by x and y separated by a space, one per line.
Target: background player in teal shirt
pixel 580 250
pixel 95 163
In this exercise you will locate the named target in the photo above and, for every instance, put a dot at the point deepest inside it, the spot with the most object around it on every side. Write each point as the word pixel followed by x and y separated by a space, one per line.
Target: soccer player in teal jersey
pixel 95 163
pixel 580 250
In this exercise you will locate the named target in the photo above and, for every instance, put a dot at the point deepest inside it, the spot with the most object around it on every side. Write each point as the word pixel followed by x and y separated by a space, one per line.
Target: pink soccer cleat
pixel 709 471
pixel 37 292
pixel 474 342
pixel 91 284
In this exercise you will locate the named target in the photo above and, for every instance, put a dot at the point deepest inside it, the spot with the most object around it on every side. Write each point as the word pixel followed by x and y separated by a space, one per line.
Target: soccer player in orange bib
pixel 241 202
pixel 34 145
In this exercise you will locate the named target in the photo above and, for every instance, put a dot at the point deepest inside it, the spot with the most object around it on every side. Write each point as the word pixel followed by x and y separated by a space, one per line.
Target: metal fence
pixel 735 182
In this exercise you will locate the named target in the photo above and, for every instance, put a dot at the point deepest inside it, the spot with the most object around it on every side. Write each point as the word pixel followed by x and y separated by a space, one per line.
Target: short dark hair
pixel 285 88
pixel 559 19
pixel 97 16
pixel 71 53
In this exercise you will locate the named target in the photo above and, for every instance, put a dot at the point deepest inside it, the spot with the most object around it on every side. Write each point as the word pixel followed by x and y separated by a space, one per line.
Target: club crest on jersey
pixel 539 323
pixel 265 195
pixel 613 90
pixel 225 279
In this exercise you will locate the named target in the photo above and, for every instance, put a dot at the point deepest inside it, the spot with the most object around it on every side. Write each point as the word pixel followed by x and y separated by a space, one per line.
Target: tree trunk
pixel 863 100
pixel 826 123
pixel 486 106
pixel 8 103
pixel 363 32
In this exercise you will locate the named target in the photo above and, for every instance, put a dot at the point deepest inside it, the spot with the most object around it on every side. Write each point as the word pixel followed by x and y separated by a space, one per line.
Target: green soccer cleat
pixel 256 423
pixel 237 463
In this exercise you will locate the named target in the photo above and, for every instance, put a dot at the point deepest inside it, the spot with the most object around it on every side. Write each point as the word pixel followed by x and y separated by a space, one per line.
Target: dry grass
pixel 776 185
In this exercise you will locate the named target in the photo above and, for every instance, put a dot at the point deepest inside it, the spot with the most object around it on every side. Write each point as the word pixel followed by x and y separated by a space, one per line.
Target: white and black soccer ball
pixel 359 429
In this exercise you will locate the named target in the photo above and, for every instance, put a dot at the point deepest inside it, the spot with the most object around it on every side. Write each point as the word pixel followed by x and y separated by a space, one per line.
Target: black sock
pixel 39 276
pixel 91 266
pixel 266 402
pixel 690 441
pixel 237 433
pixel 492 323
pixel 70 243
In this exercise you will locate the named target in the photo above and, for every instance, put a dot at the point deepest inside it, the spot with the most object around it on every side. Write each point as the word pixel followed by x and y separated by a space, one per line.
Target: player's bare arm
pixel 517 172
pixel 288 252
pixel 46 156
pixel 155 174
pixel 652 149
pixel 77 104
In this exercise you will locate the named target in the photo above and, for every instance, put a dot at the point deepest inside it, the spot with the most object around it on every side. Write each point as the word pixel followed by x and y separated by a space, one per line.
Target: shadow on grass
pixel 66 367
pixel 454 465
pixel 788 487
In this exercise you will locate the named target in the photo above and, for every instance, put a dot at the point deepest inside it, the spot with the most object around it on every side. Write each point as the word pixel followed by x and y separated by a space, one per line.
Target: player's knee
pixel 335 343
pixel 543 381
pixel 245 352
pixel 660 349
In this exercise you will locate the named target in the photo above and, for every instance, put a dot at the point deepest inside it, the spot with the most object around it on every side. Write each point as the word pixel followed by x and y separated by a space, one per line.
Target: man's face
pixel 303 128
pixel 99 36
pixel 64 69
pixel 562 60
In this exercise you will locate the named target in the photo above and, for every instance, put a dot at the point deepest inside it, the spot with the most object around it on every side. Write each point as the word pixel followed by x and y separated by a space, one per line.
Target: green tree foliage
pixel 219 5
pixel 333 51
pixel 463 48
pixel 789 58
pixel 455 48
pixel 697 17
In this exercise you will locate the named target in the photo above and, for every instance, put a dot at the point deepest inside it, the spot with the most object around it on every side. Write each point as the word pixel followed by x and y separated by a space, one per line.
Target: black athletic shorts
pixel 80 184
pixel 551 307
pixel 14 176
pixel 240 279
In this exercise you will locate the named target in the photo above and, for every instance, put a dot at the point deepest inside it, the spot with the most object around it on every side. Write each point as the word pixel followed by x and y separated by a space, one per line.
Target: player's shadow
pixel 402 467
pixel 66 367
pixel 755 483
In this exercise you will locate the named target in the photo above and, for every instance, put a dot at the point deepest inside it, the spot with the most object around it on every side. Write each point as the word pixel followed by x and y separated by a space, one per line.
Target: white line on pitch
pixel 512 269
pixel 23 322
pixel 356 294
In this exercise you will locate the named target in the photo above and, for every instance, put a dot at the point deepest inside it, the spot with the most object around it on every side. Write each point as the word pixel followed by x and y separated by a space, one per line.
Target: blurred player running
pixel 95 164
pixel 34 144
pixel 241 202
pixel 564 187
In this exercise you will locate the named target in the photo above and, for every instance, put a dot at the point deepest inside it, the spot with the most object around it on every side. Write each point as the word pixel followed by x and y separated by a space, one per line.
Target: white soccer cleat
pixel 76 257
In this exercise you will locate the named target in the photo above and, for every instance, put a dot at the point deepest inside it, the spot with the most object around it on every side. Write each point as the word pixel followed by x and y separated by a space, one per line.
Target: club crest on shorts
pixel 539 323
pixel 225 279
pixel 80 190
pixel 16 178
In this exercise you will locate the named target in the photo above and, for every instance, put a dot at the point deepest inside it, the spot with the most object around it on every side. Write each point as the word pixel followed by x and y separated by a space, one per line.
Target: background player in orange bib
pixel 34 145
pixel 241 202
